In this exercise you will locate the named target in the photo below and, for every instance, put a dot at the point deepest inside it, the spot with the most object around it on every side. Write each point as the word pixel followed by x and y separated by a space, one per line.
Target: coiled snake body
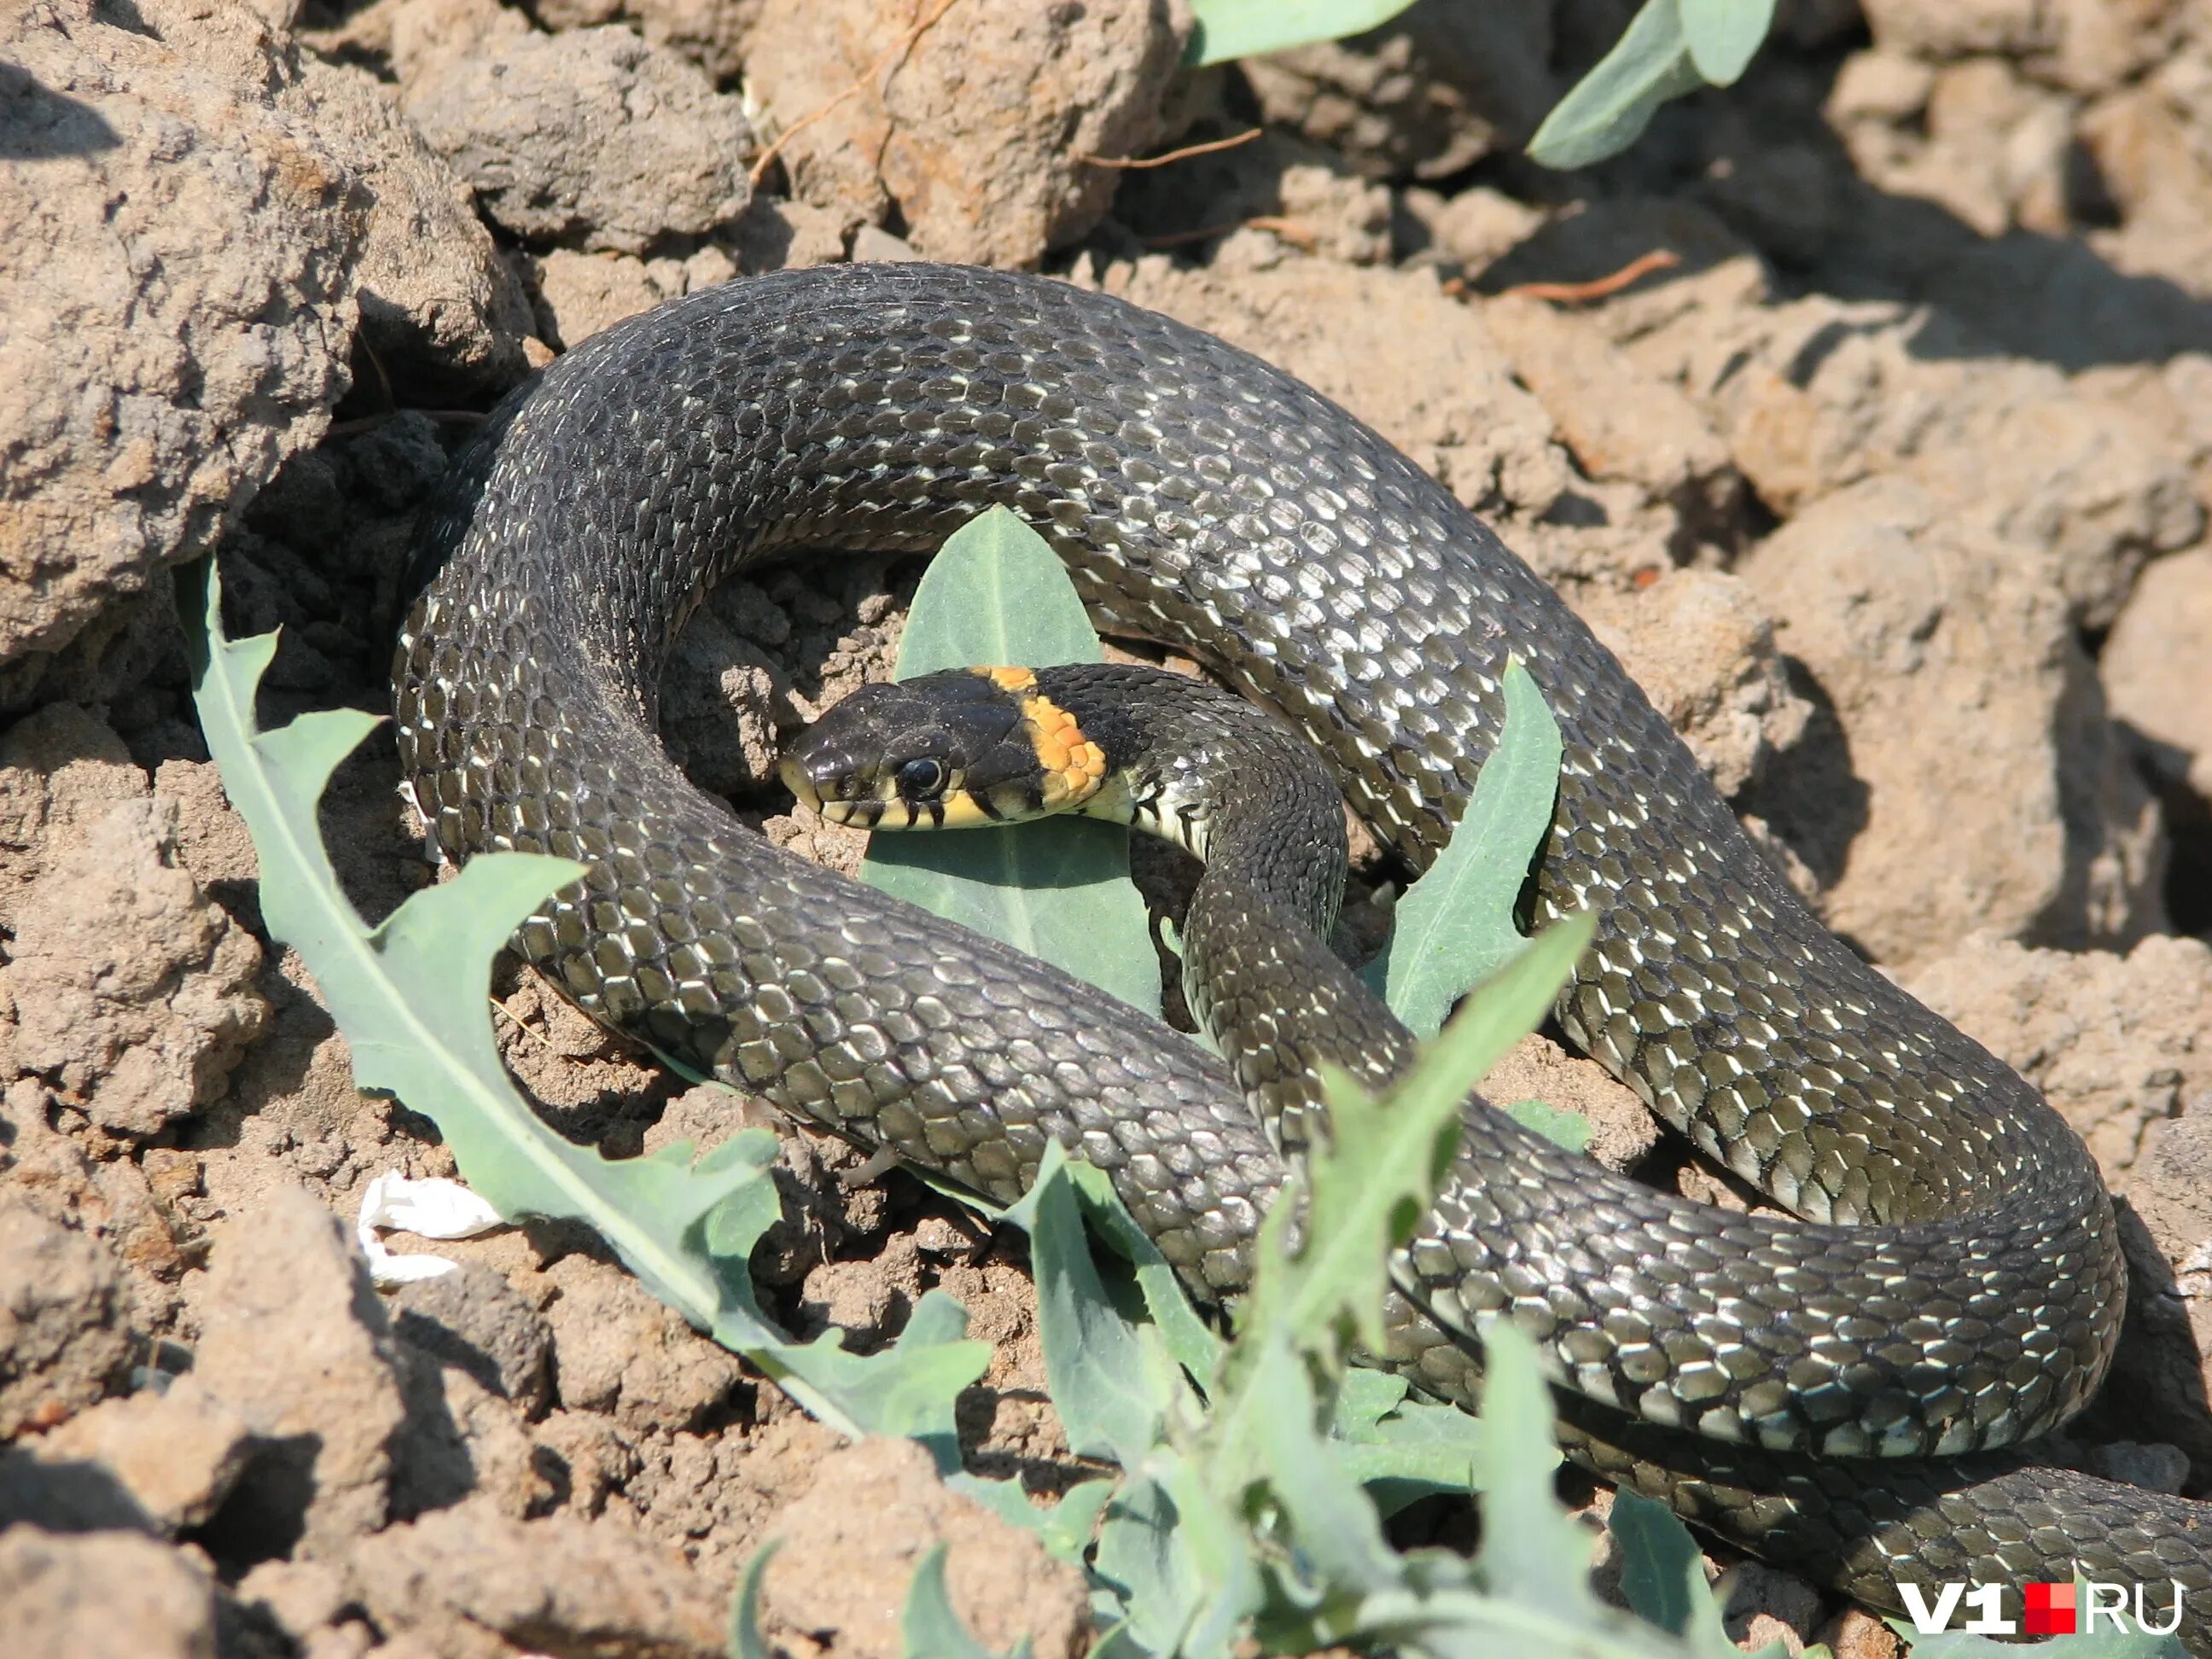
pixel 1835 1391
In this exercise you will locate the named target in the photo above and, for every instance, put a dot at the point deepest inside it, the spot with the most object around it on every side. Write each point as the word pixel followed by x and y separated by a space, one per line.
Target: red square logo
pixel 2049 1609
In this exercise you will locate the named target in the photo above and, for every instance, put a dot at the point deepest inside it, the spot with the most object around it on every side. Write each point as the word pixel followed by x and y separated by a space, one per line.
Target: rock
pixel 61 769
pixel 2154 1468
pixel 132 990
pixel 300 1596
pixel 2100 485
pixel 724 707
pixel 872 243
pixel 977 126
pixel 64 1321
pixel 1959 784
pixel 1324 207
pixel 1473 228
pixel 1432 91
pixel 1855 1634
pixel 1702 649
pixel 615 1348
pixel 1817 394
pixel 2085 46
pixel 294 1339
pixel 2118 1044
pixel 710 32
pixel 2009 28
pixel 477 1321
pixel 211 837
pixel 1765 1604
pixel 1619 421
pixel 476 1365
pixel 179 291
pixel 460 1581
pixel 103 1595
pixel 1992 147
pixel 1622 1129
pixel 851 1543
pixel 591 137
pixel 2157 669
pixel 462 1443
pixel 580 294
pixel 774 234
pixel 177 1451
pixel 440 309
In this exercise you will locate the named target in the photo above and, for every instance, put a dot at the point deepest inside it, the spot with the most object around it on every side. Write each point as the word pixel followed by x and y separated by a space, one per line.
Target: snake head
pixel 941 752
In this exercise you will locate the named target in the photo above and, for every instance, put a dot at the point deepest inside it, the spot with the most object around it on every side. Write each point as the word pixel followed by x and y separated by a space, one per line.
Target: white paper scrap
pixel 431 1209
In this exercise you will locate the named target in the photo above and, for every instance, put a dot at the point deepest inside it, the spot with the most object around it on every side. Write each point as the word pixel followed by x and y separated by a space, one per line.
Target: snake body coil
pixel 1838 1391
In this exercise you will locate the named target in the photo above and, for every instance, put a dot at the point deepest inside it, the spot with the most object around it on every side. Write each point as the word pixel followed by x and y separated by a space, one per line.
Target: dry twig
pixel 1189 150
pixel 891 56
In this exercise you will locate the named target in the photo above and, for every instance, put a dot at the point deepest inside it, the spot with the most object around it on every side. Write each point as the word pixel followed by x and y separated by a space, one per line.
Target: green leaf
pixel 1610 107
pixel 1333 1519
pixel 997 595
pixel 1532 1555
pixel 1223 29
pixel 1455 926
pixel 1141 1574
pixel 909 1388
pixel 1385 1161
pixel 747 1641
pixel 1569 1129
pixel 412 997
pixel 1661 1572
pixel 1402 1448
pixel 1723 34
pixel 1189 1338
pixel 928 1627
pixel 1065 1528
pixel 1113 1382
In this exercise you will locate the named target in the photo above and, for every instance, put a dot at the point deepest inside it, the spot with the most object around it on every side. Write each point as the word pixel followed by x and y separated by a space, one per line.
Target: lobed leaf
pixel 1384 1162
pixel 410 996
pixel 1532 1554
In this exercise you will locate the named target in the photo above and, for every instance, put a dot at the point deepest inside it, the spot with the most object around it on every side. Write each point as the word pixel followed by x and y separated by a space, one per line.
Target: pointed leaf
pixel 1454 927
pixel 1223 29
pixel 929 1629
pixel 1608 108
pixel 1723 34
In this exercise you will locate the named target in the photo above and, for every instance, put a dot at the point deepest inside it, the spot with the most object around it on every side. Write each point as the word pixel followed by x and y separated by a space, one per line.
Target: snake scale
pixel 1848 1391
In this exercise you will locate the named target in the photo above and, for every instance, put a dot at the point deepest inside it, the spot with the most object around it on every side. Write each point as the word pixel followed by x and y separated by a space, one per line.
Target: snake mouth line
pixel 959 749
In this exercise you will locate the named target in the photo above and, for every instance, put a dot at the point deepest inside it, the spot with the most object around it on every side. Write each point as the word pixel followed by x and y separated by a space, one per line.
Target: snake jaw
pixel 801 786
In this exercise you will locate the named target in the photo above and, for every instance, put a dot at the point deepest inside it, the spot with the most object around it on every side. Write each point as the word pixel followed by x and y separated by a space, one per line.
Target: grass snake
pixel 1848 1391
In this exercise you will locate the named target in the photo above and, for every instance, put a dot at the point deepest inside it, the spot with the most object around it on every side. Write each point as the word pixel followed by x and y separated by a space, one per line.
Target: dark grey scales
pixel 1794 1385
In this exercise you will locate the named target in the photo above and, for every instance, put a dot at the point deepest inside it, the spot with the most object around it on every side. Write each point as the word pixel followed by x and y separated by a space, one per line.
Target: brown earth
pixel 1891 487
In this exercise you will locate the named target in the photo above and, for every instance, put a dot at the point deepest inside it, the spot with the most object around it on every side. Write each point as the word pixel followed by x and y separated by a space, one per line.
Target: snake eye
pixel 921 779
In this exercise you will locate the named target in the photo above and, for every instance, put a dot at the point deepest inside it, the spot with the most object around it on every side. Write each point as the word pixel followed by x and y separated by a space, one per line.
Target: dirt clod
pixel 134 992
pixel 294 1339
pixel 999 1579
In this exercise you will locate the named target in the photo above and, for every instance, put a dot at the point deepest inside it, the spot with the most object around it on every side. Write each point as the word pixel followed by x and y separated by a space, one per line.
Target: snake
pixel 1858 1387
